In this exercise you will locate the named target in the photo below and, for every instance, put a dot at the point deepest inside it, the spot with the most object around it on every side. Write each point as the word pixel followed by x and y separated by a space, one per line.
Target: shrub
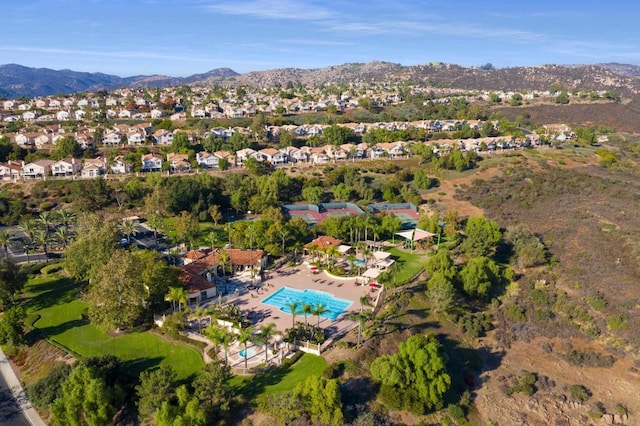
pixel 525 384
pixel 515 313
pixel 589 359
pixel 51 268
pixel 597 301
pixel 43 392
pixel 579 393
pixel 617 321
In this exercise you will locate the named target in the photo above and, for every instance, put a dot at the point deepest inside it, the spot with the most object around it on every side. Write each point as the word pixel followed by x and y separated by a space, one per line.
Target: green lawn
pixel 53 299
pixel 408 264
pixel 281 379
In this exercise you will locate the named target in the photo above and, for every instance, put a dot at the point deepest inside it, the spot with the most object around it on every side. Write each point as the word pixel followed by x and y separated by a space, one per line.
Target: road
pixel 15 409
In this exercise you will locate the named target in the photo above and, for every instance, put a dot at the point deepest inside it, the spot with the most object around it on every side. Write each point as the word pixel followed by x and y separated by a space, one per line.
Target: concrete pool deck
pixel 301 277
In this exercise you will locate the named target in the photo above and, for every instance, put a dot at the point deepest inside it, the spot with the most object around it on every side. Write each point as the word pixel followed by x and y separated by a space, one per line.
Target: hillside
pixel 16 80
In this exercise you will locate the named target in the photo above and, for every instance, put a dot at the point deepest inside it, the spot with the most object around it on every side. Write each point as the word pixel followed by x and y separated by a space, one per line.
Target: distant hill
pixel 17 80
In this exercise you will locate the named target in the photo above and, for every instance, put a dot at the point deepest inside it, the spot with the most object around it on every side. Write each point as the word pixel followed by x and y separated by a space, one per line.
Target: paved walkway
pixel 14 385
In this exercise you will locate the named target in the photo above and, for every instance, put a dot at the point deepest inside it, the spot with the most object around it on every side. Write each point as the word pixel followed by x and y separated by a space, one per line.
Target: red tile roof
pixel 324 242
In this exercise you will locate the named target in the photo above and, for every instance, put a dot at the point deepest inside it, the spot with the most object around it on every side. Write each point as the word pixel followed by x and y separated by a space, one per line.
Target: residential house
pixel 41 141
pixel 136 138
pixel 112 138
pixel 80 114
pixel 63 115
pixel 121 166
pixel 194 278
pixel 227 156
pixel 11 170
pixel 179 162
pixel 273 156
pixel 156 113
pixel 151 162
pixel 93 168
pixel 38 169
pixel 206 160
pixel 26 140
pixel 29 115
pixel 244 154
pixel 66 167
pixel 163 137
pixel 85 140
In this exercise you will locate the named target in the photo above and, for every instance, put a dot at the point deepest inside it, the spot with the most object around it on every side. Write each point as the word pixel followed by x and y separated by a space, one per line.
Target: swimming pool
pixel 285 296
pixel 359 262
pixel 250 352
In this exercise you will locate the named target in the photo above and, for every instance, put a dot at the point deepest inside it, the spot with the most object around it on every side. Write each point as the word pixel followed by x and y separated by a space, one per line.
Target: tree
pixel 180 142
pixel 307 308
pixel 415 378
pixel 336 135
pixel 186 227
pixel 156 386
pixel 117 297
pixel 12 326
pixel 293 307
pixel 43 392
pixel 128 228
pixel 482 236
pixel 320 399
pixel 215 213
pixel 562 98
pixel 313 194
pixel 177 295
pixel 220 336
pixel 213 389
pixel 96 243
pixel 245 335
pixel 441 262
pixel 12 281
pixel 41 239
pixel 441 292
pixel 320 309
pixel 86 399
pixel 478 275
pixel 185 410
pixel 67 147
pixel 267 331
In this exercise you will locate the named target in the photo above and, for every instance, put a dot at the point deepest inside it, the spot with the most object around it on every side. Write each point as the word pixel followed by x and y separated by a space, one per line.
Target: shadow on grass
pixel 51 293
pixel 255 386
pixel 134 367
pixel 56 330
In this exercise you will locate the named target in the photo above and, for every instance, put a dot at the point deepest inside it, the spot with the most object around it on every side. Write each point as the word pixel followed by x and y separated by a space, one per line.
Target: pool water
pixel 285 296
pixel 250 352
pixel 359 262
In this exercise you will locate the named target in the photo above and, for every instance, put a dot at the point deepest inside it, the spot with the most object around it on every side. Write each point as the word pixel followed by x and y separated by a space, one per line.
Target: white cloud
pixel 273 9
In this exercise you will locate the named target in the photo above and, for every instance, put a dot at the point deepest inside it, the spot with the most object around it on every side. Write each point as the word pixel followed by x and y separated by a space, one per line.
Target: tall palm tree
pixel 224 260
pixel 293 307
pixel 179 295
pixel 65 217
pixel 28 226
pixel 307 308
pixel 41 239
pixel 245 335
pixel 220 336
pixel 63 235
pixel 266 333
pixel 46 220
pixel 155 222
pixel 199 314
pixel 318 310
pixel 128 228
pixel 212 238
pixel 5 238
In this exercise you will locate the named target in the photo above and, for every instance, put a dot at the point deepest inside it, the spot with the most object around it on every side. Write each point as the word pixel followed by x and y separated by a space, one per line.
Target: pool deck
pixel 301 277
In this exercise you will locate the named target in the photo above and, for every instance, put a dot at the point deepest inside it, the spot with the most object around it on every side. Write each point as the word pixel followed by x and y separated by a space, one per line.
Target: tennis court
pixel 406 212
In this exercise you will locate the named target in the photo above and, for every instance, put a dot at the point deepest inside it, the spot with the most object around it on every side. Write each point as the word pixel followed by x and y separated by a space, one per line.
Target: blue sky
pixel 184 37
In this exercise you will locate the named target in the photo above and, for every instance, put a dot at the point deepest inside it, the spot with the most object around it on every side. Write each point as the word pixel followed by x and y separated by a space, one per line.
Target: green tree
pixel 177 295
pixel 441 292
pixel 156 386
pixel 12 281
pixel 212 387
pixel 128 228
pixel 482 236
pixel 562 98
pixel 45 391
pixel 215 213
pixel 184 410
pixel 245 336
pixel 293 309
pixel 320 399
pixel 180 142
pixel 117 297
pixel 479 275
pixel 441 262
pixel 186 227
pixel 86 399
pixel 96 242
pixel 12 326
pixel 336 135
pixel 313 194
pixel 67 147
pixel 415 378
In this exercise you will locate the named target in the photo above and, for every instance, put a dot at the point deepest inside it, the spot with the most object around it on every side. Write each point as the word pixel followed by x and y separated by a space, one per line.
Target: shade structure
pixel 417 234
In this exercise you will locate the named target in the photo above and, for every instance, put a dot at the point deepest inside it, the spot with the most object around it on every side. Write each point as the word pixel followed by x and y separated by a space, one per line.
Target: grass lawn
pixel 53 299
pixel 408 264
pixel 281 379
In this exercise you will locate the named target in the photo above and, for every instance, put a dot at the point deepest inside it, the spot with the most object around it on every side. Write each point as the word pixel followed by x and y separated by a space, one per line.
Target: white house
pixel 11 170
pixel 163 137
pixel 93 167
pixel 66 167
pixel 39 169
pixel 206 160
pixel 121 166
pixel 151 162
pixel 112 138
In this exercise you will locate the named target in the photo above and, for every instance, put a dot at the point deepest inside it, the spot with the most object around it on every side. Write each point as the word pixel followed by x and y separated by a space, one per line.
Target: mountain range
pixel 21 81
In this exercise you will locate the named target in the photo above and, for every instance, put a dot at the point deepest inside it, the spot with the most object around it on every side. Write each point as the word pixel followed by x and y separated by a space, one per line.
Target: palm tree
pixel 332 253
pixel 63 235
pixel 199 314
pixel 307 308
pixel 212 238
pixel 223 259
pixel 284 233
pixel 41 239
pixel 46 220
pixel 28 226
pixel 293 306
pixel 364 301
pixel 128 228
pixel 5 238
pixel 319 310
pixel 245 335
pixel 65 217
pixel 266 333
pixel 177 294
pixel 220 336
